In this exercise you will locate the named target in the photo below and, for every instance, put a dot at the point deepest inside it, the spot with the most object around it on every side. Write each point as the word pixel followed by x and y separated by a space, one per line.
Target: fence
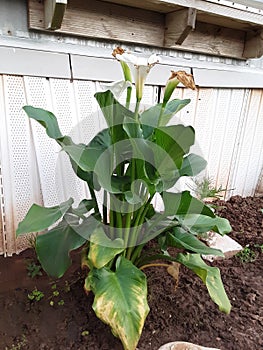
pixel 228 123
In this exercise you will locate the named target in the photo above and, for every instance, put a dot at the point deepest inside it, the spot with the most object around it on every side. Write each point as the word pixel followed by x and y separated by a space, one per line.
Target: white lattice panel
pixel 19 169
pixel 249 146
pixel 228 124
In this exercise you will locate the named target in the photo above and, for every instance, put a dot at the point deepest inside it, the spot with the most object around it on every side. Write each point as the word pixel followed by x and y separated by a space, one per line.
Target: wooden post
pixel 54 13
pixel 253 44
pixel 178 25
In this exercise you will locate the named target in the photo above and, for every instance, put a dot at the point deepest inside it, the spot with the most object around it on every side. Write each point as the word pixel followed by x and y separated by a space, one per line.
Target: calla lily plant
pixel 135 158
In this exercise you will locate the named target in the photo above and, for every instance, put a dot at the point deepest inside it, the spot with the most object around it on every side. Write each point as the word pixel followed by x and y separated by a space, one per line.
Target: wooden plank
pixel 254 44
pixel 214 40
pixel 96 19
pixel 54 13
pixel 105 20
pixel 201 5
pixel 178 25
pixel 158 6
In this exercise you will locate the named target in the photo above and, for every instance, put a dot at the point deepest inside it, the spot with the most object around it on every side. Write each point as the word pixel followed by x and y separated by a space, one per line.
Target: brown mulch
pixel 185 314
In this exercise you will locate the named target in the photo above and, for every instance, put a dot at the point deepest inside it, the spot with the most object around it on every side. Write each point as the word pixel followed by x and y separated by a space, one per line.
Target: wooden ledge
pixel 195 25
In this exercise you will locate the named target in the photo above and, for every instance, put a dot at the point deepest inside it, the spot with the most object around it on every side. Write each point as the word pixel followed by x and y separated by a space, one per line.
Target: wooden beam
pixel 54 13
pixel 253 44
pixel 100 20
pixel 214 40
pixel 178 25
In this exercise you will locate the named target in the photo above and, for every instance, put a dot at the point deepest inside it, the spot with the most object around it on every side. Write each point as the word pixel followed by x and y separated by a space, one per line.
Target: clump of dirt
pixel 63 318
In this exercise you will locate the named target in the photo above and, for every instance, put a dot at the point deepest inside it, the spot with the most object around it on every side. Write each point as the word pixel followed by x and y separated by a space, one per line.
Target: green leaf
pixel 84 207
pixel 102 249
pixel 113 111
pixel 181 239
pixel 39 218
pixel 150 118
pixel 46 119
pixel 192 165
pixel 202 223
pixel 172 108
pixel 183 203
pixel 121 300
pixel 210 277
pixel 175 141
pixel 53 247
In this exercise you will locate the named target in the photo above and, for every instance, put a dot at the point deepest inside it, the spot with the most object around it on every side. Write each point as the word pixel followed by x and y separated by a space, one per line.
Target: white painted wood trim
pixel 228 78
pixel 18 61
pixel 101 69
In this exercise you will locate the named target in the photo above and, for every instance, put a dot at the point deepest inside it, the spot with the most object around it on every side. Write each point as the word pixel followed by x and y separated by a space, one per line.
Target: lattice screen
pixel 33 169
pixel 228 125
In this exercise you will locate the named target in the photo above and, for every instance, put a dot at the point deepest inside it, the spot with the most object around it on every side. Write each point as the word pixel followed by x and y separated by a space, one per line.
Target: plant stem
pixel 128 97
pixel 136 112
pixel 153 265
pixel 104 208
pixel 93 196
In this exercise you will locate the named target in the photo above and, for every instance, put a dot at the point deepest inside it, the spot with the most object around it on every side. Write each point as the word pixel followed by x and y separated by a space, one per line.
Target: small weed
pixel 205 189
pixel 85 333
pixel 67 287
pixel 20 344
pixel 54 296
pixel 32 240
pixel 247 255
pixel 35 295
pixel 33 269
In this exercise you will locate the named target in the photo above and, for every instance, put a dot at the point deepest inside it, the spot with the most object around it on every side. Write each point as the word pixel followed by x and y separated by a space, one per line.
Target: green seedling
pixel 33 269
pixel 247 255
pixel 85 333
pixel 35 295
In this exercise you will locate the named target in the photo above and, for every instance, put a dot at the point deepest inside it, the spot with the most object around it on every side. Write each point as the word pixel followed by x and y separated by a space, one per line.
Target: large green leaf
pixel 210 276
pixel 39 218
pixel 202 223
pixel 46 119
pixel 113 111
pixel 150 118
pixel 183 203
pixel 114 114
pixel 102 249
pixel 53 247
pixel 175 141
pixel 181 239
pixel 121 300
pixel 192 165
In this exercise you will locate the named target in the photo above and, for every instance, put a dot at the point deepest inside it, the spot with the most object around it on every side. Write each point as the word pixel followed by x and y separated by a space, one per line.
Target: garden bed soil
pixel 185 314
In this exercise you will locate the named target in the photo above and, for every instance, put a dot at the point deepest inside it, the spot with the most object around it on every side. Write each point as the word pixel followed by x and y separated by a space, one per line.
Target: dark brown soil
pixel 185 314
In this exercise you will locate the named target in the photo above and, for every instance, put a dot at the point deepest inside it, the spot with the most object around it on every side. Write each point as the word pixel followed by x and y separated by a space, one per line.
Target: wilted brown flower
pixel 118 51
pixel 186 79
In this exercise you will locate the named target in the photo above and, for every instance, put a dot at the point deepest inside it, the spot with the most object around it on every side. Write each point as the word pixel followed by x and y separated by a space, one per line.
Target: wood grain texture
pixel 178 25
pixel 253 44
pixel 98 19
pixel 200 5
pixel 213 40
pixel 220 30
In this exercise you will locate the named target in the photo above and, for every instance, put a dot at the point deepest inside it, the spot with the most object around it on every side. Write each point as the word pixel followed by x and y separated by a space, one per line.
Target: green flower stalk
pixel 177 77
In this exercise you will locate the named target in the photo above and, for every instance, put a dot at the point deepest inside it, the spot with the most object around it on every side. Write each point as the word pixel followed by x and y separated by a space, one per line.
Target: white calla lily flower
pixel 139 64
pixel 117 88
